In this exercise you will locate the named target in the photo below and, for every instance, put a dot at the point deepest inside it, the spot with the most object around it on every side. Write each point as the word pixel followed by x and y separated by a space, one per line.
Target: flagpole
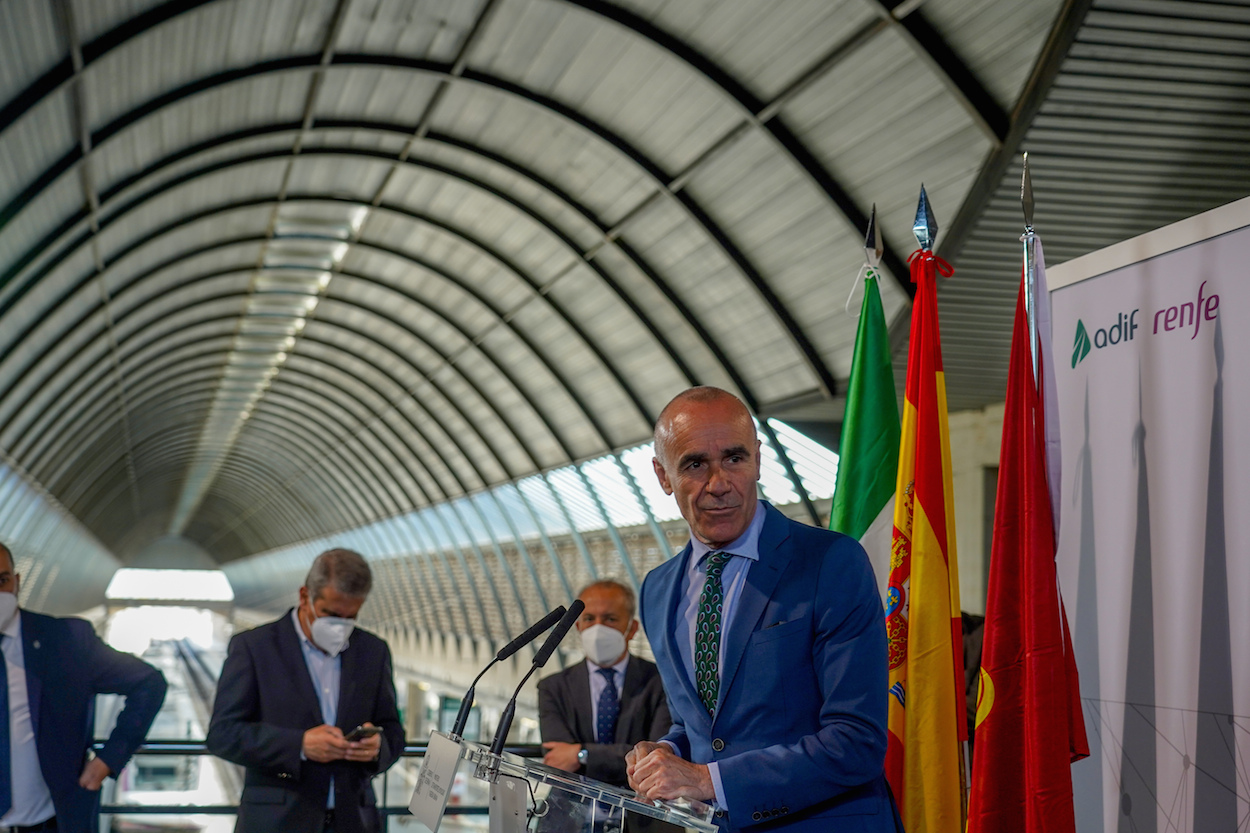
pixel 1029 239
pixel 925 228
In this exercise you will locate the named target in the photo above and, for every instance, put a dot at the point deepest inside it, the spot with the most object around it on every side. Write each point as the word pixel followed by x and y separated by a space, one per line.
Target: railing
pixel 198 748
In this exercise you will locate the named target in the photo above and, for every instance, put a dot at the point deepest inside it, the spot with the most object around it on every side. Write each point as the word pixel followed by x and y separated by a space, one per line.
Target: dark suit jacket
pixel 266 701
pixel 66 667
pixel 565 715
pixel 799 732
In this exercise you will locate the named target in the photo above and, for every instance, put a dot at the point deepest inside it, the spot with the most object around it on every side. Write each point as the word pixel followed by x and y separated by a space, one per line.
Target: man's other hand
pixel 325 743
pixel 93 774
pixel 661 774
pixel 633 756
pixel 562 755
pixel 365 749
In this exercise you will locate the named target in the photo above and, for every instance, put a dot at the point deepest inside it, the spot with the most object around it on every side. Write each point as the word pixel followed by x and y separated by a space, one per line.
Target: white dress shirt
pixel 32 803
pixel 746 551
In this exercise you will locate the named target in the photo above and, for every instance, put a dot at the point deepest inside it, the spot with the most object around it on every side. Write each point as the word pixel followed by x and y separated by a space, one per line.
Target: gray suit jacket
pixel 565 715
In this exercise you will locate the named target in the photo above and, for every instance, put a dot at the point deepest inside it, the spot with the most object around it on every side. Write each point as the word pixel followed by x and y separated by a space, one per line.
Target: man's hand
pixel 633 756
pixel 365 749
pixel 562 755
pixel 658 773
pixel 325 743
pixel 93 774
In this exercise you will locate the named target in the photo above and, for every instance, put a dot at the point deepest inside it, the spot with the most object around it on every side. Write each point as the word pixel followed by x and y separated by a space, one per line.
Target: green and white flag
pixel 863 498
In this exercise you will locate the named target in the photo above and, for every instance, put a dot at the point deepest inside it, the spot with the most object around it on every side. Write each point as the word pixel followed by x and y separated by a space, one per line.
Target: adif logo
pixel 1122 331
pixel 1080 348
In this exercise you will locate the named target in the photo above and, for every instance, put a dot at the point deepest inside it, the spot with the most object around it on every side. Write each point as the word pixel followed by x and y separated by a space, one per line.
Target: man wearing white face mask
pixel 289 696
pixel 50 674
pixel 592 713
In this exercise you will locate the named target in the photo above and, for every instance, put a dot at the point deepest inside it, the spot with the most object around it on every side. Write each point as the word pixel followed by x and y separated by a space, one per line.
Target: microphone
pixel 540 659
pixel 532 633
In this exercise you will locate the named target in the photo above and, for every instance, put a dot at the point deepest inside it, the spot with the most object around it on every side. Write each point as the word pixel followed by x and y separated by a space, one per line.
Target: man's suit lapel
pixel 291 655
pixel 579 695
pixel 631 703
pixel 672 593
pixel 33 652
pixel 762 578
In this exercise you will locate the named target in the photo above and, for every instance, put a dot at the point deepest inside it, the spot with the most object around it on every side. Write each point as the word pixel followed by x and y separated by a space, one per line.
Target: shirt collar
pixel 619 668
pixel 747 544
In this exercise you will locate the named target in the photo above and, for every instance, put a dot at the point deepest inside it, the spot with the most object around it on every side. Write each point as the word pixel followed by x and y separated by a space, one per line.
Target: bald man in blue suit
pixel 770 638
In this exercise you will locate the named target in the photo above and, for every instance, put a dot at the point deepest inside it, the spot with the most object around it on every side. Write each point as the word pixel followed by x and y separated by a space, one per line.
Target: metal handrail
pixel 180 747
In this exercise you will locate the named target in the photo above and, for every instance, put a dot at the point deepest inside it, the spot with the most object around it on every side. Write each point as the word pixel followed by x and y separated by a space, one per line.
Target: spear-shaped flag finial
pixel 925 227
pixel 1026 195
pixel 873 249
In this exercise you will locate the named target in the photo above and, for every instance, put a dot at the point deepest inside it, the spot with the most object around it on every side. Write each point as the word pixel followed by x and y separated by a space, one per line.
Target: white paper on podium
pixel 438 770
pixel 508 804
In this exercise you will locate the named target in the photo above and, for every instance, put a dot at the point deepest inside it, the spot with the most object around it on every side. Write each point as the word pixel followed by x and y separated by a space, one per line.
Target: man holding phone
pixel 290 693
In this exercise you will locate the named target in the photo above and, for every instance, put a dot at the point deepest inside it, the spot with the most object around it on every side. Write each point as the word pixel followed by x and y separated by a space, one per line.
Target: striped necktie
pixel 707 632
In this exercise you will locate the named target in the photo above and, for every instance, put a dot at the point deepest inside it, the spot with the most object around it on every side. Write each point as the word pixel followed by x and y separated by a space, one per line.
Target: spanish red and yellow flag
pixel 924 759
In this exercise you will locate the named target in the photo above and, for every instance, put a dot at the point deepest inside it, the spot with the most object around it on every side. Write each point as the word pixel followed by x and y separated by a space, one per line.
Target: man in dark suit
pixel 290 693
pixel 770 638
pixel 52 671
pixel 594 712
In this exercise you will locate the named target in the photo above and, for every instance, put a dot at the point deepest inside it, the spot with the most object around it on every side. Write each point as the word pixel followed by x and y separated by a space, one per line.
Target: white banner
pixel 1152 358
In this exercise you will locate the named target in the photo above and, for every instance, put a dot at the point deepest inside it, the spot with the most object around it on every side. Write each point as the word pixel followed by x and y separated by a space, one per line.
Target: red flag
pixel 1029 727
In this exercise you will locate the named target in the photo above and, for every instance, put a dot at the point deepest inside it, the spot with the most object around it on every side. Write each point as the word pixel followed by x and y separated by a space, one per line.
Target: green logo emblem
pixel 1080 347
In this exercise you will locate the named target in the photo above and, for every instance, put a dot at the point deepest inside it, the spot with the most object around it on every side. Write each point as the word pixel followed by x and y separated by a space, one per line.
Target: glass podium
pixel 528 797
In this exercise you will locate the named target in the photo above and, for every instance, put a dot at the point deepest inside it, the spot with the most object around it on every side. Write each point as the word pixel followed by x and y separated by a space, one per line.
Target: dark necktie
pixel 6 766
pixel 609 708
pixel 707 632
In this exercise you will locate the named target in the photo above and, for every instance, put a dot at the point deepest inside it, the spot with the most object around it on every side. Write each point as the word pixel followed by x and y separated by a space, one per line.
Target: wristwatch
pixel 582 756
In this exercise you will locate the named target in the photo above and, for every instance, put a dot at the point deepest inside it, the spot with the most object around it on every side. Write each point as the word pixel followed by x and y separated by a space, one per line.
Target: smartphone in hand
pixel 362 732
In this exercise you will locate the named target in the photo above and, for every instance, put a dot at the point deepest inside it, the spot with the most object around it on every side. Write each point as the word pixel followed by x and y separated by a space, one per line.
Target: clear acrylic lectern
pixel 528 797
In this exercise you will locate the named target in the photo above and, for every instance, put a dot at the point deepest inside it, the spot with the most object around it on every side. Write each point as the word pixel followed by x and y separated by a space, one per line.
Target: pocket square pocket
pixel 778 630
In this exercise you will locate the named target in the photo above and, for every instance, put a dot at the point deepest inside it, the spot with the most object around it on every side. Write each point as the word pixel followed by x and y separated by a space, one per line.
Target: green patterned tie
pixel 707 632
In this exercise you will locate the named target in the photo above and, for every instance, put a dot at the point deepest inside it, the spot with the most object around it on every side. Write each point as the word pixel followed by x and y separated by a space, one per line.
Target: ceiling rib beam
pixel 1036 89
pixel 69 31
pixel 763 115
pixel 691 207
pixel 588 255
pixel 400 324
pixel 499 313
pixel 960 81
pixel 483 435
pixel 215 447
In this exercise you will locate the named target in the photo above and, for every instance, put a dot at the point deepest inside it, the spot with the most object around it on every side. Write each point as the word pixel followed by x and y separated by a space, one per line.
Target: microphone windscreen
pixel 535 630
pixel 572 615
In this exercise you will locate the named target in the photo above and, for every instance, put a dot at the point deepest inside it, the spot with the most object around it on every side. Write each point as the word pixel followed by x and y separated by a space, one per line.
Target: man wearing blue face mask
pixel 592 713
pixel 289 696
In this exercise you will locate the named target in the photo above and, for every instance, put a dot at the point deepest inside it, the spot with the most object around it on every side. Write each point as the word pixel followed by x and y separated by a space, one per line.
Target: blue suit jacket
pixel 800 726
pixel 266 701
pixel 66 667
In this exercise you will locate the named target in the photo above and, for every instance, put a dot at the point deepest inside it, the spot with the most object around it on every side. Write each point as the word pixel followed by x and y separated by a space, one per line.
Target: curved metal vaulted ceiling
pixel 275 268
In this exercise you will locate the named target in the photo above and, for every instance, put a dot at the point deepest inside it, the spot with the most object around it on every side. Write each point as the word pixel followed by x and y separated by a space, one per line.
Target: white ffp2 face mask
pixel 330 633
pixel 603 645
